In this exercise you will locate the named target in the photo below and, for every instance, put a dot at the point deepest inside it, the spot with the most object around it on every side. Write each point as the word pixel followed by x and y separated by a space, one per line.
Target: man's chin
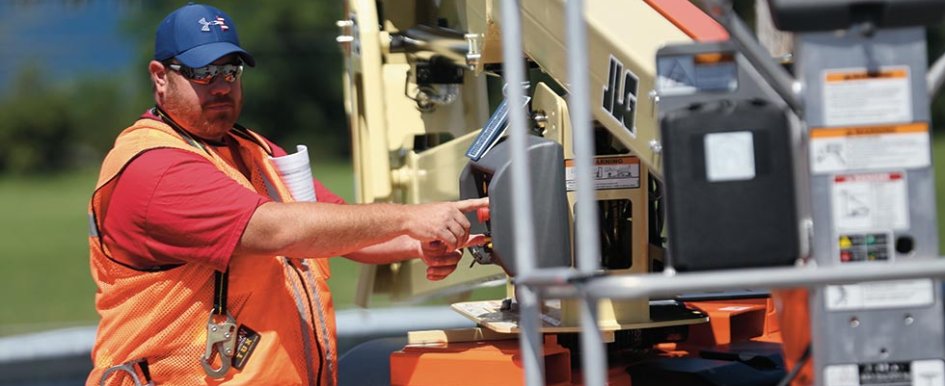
pixel 220 125
pixel 221 118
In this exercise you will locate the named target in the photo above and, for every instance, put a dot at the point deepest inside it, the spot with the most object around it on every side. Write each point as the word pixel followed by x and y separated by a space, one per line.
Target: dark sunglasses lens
pixel 206 74
pixel 202 74
pixel 231 72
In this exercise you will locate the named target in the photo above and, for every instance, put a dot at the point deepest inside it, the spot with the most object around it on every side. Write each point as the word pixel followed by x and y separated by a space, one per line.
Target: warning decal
pixel 880 295
pixel 609 173
pixel 859 97
pixel 869 148
pixel 869 201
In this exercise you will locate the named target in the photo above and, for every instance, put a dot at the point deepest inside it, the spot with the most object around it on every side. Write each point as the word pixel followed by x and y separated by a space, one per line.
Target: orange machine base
pixel 496 362
pixel 499 362
pixel 474 363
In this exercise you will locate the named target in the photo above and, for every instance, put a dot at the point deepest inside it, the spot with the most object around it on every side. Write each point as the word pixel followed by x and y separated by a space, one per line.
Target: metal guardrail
pixel 62 357
pixel 572 285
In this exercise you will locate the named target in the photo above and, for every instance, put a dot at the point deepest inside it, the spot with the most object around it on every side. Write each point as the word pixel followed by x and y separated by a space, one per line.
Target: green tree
pixel 294 93
pixel 48 127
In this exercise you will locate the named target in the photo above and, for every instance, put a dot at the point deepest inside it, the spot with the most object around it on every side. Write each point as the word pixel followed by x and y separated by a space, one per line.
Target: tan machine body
pixel 385 118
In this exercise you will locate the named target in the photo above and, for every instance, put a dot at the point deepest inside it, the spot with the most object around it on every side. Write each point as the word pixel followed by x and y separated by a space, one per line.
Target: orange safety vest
pixel 161 316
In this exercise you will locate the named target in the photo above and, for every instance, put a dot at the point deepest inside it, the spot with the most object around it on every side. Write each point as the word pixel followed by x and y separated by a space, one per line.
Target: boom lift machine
pixel 750 169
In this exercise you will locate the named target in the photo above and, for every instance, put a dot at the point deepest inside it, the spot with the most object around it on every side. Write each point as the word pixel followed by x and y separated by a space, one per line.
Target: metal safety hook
pixel 221 337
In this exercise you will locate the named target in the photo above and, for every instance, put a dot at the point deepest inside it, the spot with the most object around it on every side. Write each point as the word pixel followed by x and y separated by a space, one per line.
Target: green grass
pixel 43 228
pixel 44 260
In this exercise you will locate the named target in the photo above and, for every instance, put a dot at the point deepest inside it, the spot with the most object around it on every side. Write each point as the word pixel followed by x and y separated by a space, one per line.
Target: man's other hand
pixel 441 262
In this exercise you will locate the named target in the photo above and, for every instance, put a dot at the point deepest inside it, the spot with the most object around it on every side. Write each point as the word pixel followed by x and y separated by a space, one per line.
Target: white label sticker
pixel 729 156
pixel 879 295
pixel 930 372
pixel 857 97
pixel 842 375
pixel 869 148
pixel 609 173
pixel 869 201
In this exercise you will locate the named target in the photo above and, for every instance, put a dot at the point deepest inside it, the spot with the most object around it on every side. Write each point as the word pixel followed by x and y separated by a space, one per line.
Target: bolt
pixel 854 322
pixel 227 335
pixel 656 146
pixel 214 328
pixel 909 320
pixel 541 120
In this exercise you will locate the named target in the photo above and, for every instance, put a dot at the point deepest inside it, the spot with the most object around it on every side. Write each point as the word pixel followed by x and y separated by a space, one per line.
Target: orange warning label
pixel 918 127
pixel 846 76
pixel 620 172
pixel 848 148
pixel 626 160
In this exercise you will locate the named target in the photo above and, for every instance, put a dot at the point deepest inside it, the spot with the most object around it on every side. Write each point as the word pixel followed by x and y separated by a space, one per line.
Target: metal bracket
pixel 472 55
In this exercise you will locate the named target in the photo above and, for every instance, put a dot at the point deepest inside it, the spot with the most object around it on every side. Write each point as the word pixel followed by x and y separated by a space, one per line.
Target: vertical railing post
pixel 593 358
pixel 530 336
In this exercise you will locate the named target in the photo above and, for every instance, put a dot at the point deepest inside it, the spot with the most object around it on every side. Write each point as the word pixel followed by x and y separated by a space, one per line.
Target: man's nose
pixel 219 86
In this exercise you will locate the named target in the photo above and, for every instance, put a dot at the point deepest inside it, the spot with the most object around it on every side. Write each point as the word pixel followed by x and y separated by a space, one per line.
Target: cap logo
pixel 218 21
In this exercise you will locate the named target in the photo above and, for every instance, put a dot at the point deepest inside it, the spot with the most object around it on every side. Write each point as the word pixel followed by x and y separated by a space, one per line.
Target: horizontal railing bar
pixel 668 284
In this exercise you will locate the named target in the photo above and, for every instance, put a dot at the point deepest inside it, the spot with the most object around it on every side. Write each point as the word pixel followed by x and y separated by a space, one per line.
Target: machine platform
pixel 489 314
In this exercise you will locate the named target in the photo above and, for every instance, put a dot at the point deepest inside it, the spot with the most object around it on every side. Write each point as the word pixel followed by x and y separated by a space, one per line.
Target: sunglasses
pixel 206 74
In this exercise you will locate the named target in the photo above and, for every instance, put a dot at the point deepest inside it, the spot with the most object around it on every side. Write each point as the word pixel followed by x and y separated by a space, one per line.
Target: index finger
pixel 472 204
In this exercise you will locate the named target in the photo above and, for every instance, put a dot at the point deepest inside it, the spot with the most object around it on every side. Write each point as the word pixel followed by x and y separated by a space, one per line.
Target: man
pixel 207 272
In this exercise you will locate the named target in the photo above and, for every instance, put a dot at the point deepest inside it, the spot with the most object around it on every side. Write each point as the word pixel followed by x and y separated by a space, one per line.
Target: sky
pixel 68 38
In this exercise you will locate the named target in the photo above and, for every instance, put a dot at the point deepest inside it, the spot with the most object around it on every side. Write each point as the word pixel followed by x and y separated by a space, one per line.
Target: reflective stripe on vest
pixel 326 342
pixel 172 337
pixel 304 322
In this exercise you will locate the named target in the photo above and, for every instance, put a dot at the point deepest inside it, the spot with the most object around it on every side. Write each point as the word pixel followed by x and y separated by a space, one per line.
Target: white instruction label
pixel 729 156
pixel 869 148
pixel 858 97
pixel 880 295
pixel 869 201
pixel 930 372
pixel 609 173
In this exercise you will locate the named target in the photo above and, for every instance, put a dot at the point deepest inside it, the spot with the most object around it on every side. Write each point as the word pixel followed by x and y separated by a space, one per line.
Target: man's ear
pixel 158 74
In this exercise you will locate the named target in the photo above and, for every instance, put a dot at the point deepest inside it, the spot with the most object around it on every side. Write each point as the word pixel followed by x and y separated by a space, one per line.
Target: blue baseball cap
pixel 198 35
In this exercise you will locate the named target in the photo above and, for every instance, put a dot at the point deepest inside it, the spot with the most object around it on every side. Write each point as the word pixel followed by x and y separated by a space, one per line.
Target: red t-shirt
pixel 172 206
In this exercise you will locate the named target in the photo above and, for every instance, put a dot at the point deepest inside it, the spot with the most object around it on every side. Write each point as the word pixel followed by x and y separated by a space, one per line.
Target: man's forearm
pixel 392 251
pixel 304 229
pixel 311 229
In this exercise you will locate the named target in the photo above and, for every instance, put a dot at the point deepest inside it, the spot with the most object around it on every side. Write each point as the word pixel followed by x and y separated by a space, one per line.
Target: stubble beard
pixel 212 124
